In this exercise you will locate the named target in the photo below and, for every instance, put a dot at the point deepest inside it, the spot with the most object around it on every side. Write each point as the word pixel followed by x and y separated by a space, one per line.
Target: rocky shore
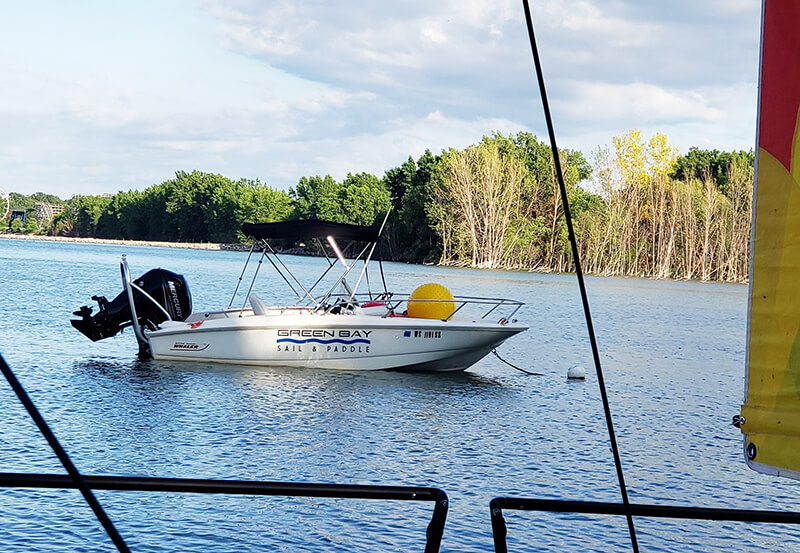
pixel 187 245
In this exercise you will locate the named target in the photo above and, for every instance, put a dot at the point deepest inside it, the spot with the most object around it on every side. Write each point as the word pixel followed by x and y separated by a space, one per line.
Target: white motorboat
pixel 342 328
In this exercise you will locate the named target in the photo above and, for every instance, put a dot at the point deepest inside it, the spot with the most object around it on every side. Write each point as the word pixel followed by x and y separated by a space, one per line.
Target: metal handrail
pixel 400 298
pixel 394 301
pixel 500 531
pixel 434 531
pixel 463 301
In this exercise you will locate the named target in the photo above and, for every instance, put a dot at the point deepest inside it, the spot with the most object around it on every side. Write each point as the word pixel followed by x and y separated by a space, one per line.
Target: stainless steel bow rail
pixel 499 529
pixel 76 480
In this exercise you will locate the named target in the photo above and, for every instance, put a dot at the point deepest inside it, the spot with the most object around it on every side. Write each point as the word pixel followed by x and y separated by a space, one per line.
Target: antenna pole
pixel 581 284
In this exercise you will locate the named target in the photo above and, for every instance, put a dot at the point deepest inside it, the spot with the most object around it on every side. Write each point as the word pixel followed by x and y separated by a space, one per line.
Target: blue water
pixel 673 355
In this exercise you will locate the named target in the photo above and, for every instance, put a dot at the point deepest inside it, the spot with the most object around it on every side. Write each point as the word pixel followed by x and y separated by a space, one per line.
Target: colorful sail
pixel 770 417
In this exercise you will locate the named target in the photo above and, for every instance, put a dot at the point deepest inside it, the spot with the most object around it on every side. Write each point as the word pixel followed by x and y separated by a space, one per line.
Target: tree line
pixel 638 206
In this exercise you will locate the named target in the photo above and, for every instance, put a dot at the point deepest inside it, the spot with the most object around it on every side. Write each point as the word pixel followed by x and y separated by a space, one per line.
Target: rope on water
pixel 514 366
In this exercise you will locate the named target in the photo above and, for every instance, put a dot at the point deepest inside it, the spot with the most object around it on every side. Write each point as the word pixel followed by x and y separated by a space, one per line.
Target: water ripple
pixel 673 354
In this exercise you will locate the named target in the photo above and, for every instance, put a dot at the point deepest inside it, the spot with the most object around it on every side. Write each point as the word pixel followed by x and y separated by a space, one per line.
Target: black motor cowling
pixel 170 290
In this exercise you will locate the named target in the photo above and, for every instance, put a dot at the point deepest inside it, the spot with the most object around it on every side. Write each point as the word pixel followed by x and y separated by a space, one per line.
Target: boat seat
pixel 258 305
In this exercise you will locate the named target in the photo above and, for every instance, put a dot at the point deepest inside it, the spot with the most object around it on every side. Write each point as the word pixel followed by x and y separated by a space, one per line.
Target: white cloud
pixel 108 99
pixel 432 31
pixel 358 46
pixel 376 153
pixel 707 117
pixel 646 103
pixel 261 41
pixel 596 22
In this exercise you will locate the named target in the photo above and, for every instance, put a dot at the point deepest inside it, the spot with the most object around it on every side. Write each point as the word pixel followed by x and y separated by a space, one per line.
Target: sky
pixel 97 97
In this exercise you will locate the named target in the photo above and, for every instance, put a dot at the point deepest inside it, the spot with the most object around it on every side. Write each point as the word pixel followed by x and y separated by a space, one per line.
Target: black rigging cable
pixel 581 284
pixel 75 476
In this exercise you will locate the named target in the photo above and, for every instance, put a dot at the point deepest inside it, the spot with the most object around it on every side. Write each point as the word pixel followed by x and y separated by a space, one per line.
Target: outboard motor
pixel 156 294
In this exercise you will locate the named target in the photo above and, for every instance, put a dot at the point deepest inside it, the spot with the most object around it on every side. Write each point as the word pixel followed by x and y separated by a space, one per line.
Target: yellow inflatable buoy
pixel 442 308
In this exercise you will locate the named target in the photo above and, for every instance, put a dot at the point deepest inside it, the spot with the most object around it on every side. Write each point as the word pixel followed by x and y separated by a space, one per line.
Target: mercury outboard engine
pixel 157 286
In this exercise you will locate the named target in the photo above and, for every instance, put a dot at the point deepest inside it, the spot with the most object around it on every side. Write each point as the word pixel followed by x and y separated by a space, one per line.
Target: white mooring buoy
pixel 576 373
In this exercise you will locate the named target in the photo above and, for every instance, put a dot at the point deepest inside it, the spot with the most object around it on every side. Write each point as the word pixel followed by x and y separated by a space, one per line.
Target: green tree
pixel 87 212
pixel 63 224
pixel 359 199
pixel 315 198
pixel 397 181
pixel 31 226
pixel 363 199
pixel 542 215
pixel 699 164
pixel 418 240
pixel 20 202
pixel 191 207
pixel 258 203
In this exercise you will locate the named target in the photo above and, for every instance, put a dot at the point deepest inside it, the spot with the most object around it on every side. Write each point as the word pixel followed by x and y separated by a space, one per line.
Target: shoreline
pixel 215 246
pixel 114 242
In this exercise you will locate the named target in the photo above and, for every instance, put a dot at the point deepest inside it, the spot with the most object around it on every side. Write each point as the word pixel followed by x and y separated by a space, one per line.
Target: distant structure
pixel 17 214
pixel 44 213
pixel 5 204
pixel 103 195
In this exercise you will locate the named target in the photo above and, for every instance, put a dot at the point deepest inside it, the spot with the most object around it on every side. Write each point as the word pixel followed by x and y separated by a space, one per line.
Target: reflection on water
pixel 673 355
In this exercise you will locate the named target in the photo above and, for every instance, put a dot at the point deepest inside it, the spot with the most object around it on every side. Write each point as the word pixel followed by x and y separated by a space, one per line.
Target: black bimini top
pixel 311 228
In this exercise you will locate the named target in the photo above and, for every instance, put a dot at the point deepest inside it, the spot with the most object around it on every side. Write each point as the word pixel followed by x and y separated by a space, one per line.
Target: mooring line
pixel 581 283
pixel 514 366
pixel 76 476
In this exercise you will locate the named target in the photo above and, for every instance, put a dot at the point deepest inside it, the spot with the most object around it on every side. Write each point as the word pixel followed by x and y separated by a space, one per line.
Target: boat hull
pixel 345 342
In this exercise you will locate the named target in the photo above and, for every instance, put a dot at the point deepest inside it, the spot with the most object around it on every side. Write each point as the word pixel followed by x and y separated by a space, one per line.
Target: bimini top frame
pixel 312 228
pixel 317 230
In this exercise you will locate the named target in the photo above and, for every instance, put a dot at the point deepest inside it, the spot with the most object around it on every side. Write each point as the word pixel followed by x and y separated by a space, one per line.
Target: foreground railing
pixel 499 529
pixel 244 487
